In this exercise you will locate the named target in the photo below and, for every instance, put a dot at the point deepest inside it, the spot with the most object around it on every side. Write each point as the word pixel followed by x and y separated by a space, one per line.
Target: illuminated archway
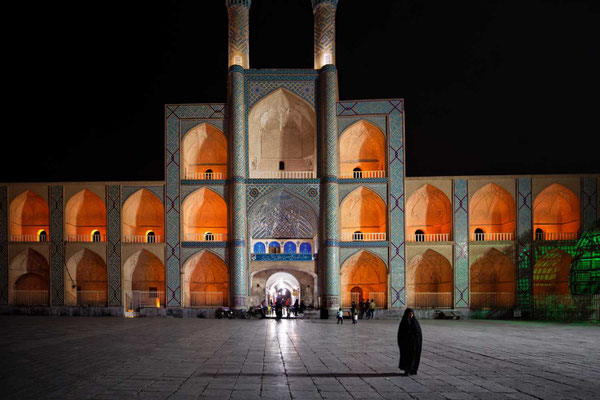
pixel 143 213
pixel 493 281
pixel 205 281
pixel 85 279
pixel 280 282
pixel 85 213
pixel 429 211
pixel 29 279
pixel 281 129
pixel 29 216
pixel 556 213
pixel 429 280
pixel 204 211
pixel 363 210
pixel 362 151
pixel 144 272
pixel 492 210
pixel 204 153
pixel 367 272
pixel 551 274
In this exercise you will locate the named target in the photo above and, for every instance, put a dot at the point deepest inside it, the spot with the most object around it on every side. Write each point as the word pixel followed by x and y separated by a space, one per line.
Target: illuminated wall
pixel 86 272
pixel 556 210
pixel 551 274
pixel 428 210
pixel 85 212
pixel 204 211
pixel 492 209
pixel 28 214
pixel 362 146
pixel 142 271
pixel 205 272
pixel 365 273
pixel 429 274
pixel 29 270
pixel 143 212
pixel 493 277
pixel 363 210
pixel 204 149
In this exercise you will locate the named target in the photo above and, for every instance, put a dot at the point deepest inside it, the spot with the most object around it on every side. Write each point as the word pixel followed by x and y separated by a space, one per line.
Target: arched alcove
pixel 205 281
pixel 144 272
pixel 143 218
pixel 204 212
pixel 85 279
pixel 85 213
pixel 551 275
pixel 492 278
pixel 492 210
pixel 29 216
pixel 428 213
pixel 367 272
pixel 282 129
pixel 429 280
pixel 556 213
pixel 363 210
pixel 362 151
pixel 29 279
pixel 204 153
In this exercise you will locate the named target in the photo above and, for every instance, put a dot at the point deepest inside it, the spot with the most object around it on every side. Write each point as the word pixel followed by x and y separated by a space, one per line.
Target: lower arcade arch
pixel 29 279
pixel 85 279
pixel 551 275
pixel 429 281
pixel 294 282
pixel 205 281
pixel 143 280
pixel 492 279
pixel 364 274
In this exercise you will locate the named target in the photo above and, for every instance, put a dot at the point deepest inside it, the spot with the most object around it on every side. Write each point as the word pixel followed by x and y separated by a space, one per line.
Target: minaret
pixel 324 32
pixel 239 32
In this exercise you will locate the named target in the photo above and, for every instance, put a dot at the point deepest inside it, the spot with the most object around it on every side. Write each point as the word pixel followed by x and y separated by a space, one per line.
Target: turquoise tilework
pixel 524 238
pixel 3 245
pixel 113 245
pixel 57 248
pixel 589 202
pixel 461 243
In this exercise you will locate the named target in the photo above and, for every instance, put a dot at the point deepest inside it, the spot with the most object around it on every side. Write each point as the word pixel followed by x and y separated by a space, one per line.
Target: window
pixel 209 237
pixel 357 236
pixel 357 173
pixel 259 248
pixel 208 174
pixel 305 248
pixel 274 248
pixel 281 165
pixel 96 236
pixel 539 234
pixel 479 235
pixel 419 235
pixel 152 292
pixel 150 237
pixel 289 248
pixel 42 236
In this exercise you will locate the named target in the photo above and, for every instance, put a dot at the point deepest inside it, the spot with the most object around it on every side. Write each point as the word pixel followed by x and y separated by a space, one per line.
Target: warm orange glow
pixel 149 272
pixel 429 210
pixel 494 272
pixel 556 210
pixel 492 209
pixel 429 272
pixel 28 214
pixel 551 274
pixel 204 210
pixel 143 212
pixel 206 272
pixel 362 145
pixel 84 213
pixel 158 302
pixel 204 147
pixel 363 210
pixel 29 270
pixel 363 273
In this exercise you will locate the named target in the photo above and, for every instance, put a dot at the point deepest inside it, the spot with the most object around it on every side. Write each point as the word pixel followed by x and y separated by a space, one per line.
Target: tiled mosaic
pixel 524 237
pixel 113 245
pixel 57 248
pixel 589 202
pixel 461 243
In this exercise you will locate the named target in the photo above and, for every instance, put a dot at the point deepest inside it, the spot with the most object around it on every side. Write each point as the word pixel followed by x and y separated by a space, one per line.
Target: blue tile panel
pixel 283 257
pixel 524 238
pixel 57 248
pixel 461 243
pixel 3 245
pixel 589 202
pixel 392 112
pixel 113 245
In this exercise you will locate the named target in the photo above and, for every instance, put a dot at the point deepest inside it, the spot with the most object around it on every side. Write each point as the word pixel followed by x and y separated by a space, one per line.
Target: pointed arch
pixel 362 145
pixel 282 128
pixel 143 271
pixel 492 278
pixel 556 212
pixel 429 280
pixel 368 272
pixel 204 153
pixel 364 211
pixel 143 212
pixel 492 210
pixel 205 281
pixel 429 211
pixel 85 279
pixel 85 213
pixel 551 274
pixel 29 278
pixel 204 211
pixel 29 214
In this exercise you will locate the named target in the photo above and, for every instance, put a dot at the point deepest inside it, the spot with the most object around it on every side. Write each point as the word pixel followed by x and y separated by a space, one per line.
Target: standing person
pixel 410 342
pixel 361 308
pixel 367 305
pixel 340 316
pixel 355 316
pixel 371 308
pixel 296 306
pixel 352 309
pixel 287 307
pixel 278 309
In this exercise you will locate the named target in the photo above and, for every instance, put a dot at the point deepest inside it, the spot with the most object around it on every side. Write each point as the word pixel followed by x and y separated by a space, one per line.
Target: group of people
pixel 282 305
pixel 365 309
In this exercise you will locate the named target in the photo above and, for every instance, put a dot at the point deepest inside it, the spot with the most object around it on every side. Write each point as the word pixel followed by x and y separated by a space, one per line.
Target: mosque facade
pixel 286 190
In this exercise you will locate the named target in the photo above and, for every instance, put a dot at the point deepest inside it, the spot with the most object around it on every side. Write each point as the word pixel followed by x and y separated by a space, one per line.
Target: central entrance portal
pixel 282 286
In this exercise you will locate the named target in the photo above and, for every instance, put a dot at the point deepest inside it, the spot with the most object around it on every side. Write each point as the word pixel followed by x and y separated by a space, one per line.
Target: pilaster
pixel 57 247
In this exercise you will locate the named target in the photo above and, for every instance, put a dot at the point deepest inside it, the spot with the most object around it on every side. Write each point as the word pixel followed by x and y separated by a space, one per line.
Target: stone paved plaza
pixel 113 358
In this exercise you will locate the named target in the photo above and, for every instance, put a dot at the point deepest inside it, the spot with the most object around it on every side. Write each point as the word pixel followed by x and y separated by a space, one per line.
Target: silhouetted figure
pixel 410 341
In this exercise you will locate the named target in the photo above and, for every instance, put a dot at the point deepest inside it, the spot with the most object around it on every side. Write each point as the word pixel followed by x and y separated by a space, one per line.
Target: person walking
pixel 367 304
pixel 361 308
pixel 372 309
pixel 355 316
pixel 410 342
pixel 340 317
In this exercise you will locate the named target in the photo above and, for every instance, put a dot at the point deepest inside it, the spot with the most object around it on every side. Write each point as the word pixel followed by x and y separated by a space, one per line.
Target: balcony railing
pixel 204 175
pixel 203 237
pixel 30 297
pixel 206 299
pixel 362 174
pixel 141 299
pixel 364 237
pixel 141 239
pixel 86 298
pixel 86 238
pixel 492 300
pixel 491 237
pixel 431 300
pixel 283 174
pixel 29 238
pixel 355 297
pixel 428 237
pixel 549 236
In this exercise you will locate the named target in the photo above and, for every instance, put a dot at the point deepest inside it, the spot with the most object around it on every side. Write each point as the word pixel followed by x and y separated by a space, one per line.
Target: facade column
pixel 238 264
pixel 324 32
pixel 330 231
pixel 239 32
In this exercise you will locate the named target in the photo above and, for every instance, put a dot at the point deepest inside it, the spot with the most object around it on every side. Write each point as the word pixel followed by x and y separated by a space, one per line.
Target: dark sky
pixel 491 87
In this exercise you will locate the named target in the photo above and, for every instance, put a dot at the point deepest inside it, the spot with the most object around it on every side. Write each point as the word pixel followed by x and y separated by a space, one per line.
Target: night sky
pixel 490 87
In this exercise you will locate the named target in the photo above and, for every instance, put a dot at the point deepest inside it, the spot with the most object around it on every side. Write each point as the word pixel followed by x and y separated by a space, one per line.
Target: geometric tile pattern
pixel 57 246
pixel 310 193
pixel 524 238
pixel 392 110
pixel 324 31
pixel 3 245
pixel 239 32
pixel 113 245
pixel 461 244
pixel 589 202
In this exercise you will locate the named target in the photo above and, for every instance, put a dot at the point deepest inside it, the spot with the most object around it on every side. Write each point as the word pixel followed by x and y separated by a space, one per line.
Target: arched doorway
pixel 143 280
pixel 86 280
pixel 429 281
pixel 493 281
pixel 362 151
pixel 29 279
pixel 282 286
pixel 364 274
pixel 205 281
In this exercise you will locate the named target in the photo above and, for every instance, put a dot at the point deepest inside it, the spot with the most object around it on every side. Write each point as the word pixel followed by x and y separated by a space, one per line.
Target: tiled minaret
pixel 324 32
pixel 239 32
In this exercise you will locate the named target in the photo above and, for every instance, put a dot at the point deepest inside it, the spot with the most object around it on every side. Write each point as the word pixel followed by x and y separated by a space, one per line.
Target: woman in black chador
pixel 410 341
